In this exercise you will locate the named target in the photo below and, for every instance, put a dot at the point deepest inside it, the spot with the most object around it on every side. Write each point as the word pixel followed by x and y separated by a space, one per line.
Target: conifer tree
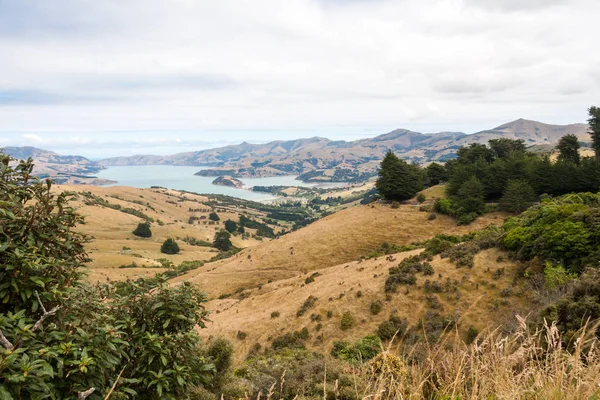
pixel 398 180
pixel 169 247
pixel 594 131
pixel 518 196
pixel 568 148
pixel 143 230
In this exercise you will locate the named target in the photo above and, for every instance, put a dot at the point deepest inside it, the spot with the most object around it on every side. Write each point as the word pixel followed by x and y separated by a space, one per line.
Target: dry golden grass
pixel 521 365
pixel 479 303
pixel 435 192
pixel 114 245
pixel 339 238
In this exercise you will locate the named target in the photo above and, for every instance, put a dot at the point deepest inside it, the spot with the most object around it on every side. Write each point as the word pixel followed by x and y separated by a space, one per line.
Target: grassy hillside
pixel 352 287
pixel 113 244
pixel 342 237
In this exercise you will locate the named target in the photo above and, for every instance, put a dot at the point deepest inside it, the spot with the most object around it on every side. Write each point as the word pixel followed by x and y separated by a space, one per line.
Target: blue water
pixel 183 178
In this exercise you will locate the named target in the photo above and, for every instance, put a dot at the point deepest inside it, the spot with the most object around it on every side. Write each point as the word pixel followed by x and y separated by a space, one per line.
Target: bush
pixel 291 340
pixel 364 350
pixel 347 321
pixel 222 241
pixel 241 335
pixel 143 230
pixel 308 375
pixel 220 354
pixel 431 217
pixel 169 247
pixel 393 326
pixel 62 336
pixel 230 226
pixel 307 305
pixel 376 307
pixel 275 314
pixel 467 219
pixel 421 198
pixel 472 334
pixel 213 216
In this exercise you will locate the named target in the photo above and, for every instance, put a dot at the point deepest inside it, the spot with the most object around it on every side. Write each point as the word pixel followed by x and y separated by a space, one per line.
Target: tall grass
pixel 522 365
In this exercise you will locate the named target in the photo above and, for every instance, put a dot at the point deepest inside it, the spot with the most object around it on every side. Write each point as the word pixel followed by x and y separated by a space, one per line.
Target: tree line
pixel 502 171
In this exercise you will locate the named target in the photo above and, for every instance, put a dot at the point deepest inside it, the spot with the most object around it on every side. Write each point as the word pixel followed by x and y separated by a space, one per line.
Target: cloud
pixel 269 69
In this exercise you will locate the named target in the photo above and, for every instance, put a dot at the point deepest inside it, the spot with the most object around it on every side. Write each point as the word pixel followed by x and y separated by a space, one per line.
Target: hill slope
pixel 322 159
pixel 352 288
pixel 342 237
pixel 61 168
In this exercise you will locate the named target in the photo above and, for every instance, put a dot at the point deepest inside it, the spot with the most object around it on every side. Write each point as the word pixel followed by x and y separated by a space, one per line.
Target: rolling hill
pixel 67 169
pixel 321 159
pixel 260 290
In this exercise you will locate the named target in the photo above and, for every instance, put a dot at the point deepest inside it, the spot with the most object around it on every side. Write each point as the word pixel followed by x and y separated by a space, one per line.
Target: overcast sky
pixel 122 77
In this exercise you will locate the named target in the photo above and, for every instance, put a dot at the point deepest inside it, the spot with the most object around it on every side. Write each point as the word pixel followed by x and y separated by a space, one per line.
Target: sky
pixel 113 77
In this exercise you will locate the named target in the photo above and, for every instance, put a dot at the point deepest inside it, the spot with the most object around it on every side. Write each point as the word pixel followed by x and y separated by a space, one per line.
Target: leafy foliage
pixel 398 180
pixel 518 196
pixel 222 241
pixel 594 121
pixel 143 230
pixel 363 350
pixel 59 336
pixel 169 246
pixel 230 226
pixel 565 230
pixel 568 149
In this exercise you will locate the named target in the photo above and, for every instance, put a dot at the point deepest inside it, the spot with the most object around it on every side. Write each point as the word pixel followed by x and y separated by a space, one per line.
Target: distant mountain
pixel 321 159
pixel 63 169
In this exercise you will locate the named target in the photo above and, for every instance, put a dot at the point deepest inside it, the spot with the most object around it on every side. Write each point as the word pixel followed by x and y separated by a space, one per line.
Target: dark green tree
pixel 518 196
pixel 213 216
pixel 169 246
pixel 398 180
pixel 230 226
pixel 504 147
pixel 143 230
pixel 568 149
pixel 222 241
pixel 473 153
pixel 435 173
pixel 594 121
pixel 470 197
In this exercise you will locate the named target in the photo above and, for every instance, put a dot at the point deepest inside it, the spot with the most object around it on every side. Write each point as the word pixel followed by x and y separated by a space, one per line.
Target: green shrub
pixel 222 241
pixel 308 375
pixel 307 305
pixel 241 335
pixel 394 326
pixel 169 247
pixel 143 230
pixel 376 307
pixel 421 198
pixel 62 336
pixel 431 217
pixel 347 321
pixel 230 226
pixel 291 340
pixel 364 350
pixel 275 314
pixel 472 334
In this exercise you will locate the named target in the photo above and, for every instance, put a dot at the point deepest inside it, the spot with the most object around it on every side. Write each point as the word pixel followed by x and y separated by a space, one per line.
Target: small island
pixel 230 181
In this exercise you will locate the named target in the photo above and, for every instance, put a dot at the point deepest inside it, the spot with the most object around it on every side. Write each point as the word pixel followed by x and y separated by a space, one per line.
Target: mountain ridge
pixel 313 159
pixel 322 159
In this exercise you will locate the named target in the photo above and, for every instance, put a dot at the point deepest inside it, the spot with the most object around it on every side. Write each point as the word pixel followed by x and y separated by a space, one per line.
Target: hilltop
pixel 67 169
pixel 320 159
